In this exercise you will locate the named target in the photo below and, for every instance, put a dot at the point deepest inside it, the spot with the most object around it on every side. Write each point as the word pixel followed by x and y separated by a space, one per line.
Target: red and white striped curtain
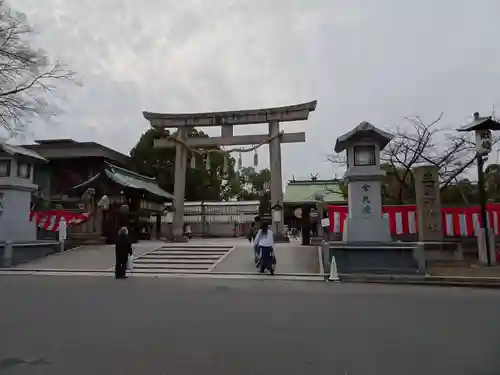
pixel 457 221
pixel 50 219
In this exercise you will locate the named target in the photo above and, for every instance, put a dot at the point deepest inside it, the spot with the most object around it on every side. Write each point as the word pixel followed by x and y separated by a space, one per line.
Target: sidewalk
pixel 452 275
pixel 91 257
pixel 471 271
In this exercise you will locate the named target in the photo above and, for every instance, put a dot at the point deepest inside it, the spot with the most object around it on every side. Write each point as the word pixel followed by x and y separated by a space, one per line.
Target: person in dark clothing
pixel 123 249
pixel 254 228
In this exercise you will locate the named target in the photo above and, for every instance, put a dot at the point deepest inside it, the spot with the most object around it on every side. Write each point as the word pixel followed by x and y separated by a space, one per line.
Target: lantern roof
pixel 480 123
pixel 365 130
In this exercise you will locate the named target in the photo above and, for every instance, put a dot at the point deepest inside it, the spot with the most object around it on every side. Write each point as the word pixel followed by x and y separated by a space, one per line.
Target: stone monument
pixel 185 146
pixel 428 203
pixel 364 176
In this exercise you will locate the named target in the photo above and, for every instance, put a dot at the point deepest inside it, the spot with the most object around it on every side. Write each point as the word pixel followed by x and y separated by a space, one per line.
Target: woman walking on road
pixel 123 248
pixel 265 242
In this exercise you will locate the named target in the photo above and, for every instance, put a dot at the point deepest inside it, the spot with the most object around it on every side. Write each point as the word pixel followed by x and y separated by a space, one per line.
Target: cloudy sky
pixel 373 60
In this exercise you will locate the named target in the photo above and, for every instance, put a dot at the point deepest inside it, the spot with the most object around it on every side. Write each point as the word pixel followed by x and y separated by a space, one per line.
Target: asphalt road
pixel 61 325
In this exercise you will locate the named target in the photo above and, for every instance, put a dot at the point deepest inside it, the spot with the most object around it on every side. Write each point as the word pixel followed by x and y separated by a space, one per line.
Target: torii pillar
pixel 227 121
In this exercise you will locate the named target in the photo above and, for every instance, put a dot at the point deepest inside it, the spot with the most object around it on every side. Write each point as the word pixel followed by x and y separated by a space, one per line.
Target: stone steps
pixel 179 256
pixel 178 261
pixel 171 266
pixel 184 258
pixel 182 253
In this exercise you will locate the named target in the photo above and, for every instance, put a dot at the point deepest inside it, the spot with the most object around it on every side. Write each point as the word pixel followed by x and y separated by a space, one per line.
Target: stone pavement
pixel 291 258
pixel 217 256
pixel 92 257
pixel 153 326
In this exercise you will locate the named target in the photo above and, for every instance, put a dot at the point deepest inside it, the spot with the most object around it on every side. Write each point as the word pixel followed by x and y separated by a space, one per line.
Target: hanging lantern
pixel 240 162
pixel 255 159
pixel 226 164
pixel 207 161
pixel 193 161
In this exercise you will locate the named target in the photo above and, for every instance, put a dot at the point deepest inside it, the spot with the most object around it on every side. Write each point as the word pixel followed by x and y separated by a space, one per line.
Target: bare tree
pixel 28 77
pixel 417 142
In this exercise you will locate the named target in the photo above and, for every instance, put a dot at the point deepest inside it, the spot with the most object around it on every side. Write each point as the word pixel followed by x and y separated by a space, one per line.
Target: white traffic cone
pixel 333 271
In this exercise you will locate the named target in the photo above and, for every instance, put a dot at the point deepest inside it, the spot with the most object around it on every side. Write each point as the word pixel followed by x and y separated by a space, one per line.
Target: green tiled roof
pixel 128 179
pixel 133 180
pixel 305 191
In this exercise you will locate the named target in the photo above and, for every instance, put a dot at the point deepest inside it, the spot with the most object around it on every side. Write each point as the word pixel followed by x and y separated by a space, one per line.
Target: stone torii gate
pixel 227 121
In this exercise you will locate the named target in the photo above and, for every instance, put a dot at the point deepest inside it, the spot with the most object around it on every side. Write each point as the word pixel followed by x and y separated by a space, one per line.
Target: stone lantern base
pixel 367 230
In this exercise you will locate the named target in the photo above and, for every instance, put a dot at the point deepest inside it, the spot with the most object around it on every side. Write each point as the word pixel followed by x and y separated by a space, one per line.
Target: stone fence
pixel 15 253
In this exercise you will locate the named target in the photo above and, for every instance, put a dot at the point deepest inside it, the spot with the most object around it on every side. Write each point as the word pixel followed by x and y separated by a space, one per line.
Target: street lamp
pixel 482 127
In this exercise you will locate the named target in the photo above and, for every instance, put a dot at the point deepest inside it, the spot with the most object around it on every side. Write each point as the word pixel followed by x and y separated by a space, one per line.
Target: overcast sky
pixel 364 60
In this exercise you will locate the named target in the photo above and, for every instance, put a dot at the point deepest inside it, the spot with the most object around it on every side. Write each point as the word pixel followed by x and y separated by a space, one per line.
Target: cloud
pixel 363 60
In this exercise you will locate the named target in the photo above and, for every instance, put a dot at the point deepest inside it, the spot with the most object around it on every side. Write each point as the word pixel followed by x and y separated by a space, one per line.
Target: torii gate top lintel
pixel 295 112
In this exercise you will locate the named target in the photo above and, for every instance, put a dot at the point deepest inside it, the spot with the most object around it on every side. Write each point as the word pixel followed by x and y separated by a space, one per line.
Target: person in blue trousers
pixel 264 240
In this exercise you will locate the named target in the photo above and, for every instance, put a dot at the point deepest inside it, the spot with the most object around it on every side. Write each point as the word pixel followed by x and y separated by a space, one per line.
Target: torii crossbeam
pixel 227 120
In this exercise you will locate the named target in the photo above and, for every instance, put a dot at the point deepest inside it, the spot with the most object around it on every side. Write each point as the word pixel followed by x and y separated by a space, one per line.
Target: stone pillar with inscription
pixel 428 203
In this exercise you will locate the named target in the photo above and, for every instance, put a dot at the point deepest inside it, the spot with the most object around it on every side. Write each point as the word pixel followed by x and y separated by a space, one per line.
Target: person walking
pixel 123 249
pixel 189 234
pixel 265 242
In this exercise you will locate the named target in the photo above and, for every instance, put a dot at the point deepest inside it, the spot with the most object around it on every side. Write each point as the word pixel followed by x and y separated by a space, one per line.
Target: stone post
pixel 179 186
pixel 430 227
pixel 7 254
pixel 203 222
pixel 276 175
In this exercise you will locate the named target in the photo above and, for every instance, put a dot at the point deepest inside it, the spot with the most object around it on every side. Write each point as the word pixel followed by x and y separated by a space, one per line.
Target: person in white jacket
pixel 264 240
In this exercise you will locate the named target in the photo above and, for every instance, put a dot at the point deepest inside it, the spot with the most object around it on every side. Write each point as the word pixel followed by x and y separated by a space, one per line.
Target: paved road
pixel 83 325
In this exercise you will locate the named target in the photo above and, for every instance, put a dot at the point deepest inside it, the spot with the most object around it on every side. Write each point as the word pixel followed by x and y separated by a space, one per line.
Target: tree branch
pixel 27 76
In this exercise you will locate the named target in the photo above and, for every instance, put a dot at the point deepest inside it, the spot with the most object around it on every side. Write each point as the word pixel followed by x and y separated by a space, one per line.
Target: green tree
pixel 492 182
pixel 460 192
pixel 251 183
pixel 201 184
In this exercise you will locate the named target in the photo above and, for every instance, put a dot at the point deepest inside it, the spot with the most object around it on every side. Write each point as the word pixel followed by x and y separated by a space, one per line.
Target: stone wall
pixel 212 229
pixel 14 221
pixel 25 252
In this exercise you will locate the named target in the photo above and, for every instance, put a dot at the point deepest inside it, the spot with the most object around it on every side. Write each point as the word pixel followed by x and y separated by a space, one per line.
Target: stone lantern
pixel 16 188
pixel 363 145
